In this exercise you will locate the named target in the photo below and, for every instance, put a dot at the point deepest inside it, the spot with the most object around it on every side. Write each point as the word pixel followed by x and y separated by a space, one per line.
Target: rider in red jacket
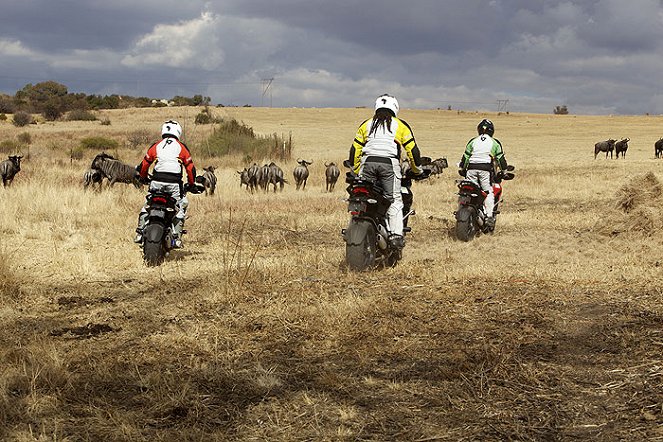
pixel 169 156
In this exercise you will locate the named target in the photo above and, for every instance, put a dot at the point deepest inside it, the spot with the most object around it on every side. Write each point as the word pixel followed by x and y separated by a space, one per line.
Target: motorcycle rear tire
pixel 154 253
pixel 466 226
pixel 360 256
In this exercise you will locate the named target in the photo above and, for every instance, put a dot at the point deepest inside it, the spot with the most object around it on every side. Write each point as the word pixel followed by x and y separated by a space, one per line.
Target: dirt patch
pixel 84 332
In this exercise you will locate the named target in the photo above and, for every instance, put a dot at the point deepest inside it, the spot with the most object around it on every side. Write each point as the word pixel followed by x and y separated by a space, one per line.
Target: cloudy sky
pixel 595 56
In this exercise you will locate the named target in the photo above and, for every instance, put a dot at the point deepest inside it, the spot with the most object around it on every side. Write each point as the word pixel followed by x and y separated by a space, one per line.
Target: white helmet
pixel 386 101
pixel 172 128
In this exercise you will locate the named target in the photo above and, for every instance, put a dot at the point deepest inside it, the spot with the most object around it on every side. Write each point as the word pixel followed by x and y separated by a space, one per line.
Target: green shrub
pixel 99 143
pixel 81 115
pixel 3 117
pixel 205 117
pixel 52 110
pixel 22 119
pixel 233 137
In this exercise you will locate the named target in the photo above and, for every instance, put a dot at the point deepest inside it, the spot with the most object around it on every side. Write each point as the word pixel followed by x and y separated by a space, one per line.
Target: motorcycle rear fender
pixel 464 213
pixel 154 232
pixel 357 230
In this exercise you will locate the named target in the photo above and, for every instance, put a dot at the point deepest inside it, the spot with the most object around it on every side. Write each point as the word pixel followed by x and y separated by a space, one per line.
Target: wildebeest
pixel 263 177
pixel 9 168
pixel 208 179
pixel 621 146
pixel 243 178
pixel 606 146
pixel 92 177
pixel 115 170
pixel 253 177
pixel 658 148
pixel 332 173
pixel 438 165
pixel 276 176
pixel 301 173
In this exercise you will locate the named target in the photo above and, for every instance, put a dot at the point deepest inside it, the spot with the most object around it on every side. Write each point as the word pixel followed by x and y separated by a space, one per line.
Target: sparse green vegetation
pixel 232 137
pixel 99 143
pixel 81 115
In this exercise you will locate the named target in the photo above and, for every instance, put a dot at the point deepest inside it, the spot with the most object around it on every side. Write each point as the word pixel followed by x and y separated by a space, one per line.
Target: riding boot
pixel 178 228
pixel 397 241
pixel 142 220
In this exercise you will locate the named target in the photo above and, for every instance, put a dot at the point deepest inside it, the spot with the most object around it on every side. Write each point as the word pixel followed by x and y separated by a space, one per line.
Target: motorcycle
pixel 367 237
pixel 470 216
pixel 158 238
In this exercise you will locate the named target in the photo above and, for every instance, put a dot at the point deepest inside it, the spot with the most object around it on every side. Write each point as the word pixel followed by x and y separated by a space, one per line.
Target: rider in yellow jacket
pixel 375 154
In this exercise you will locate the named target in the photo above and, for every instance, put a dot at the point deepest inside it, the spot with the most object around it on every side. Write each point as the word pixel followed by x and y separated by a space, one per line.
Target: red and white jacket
pixel 170 155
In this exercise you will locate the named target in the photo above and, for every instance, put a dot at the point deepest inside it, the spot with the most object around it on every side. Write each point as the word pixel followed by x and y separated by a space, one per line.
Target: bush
pixel 205 117
pixel 3 117
pixel 22 119
pixel 233 137
pixel 52 111
pixel 81 115
pixel 98 143
pixel 139 138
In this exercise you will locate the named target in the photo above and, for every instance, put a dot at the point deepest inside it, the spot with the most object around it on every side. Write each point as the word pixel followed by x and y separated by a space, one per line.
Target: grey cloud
pixel 598 56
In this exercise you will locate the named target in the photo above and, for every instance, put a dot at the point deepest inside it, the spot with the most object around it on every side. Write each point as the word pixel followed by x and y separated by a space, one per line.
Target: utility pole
pixel 266 87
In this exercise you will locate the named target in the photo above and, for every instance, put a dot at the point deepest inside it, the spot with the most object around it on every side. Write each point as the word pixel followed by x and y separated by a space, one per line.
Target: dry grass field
pixel 549 329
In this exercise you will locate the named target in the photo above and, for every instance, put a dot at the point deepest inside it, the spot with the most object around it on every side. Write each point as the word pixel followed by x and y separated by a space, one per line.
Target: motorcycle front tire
pixel 465 224
pixel 360 245
pixel 154 252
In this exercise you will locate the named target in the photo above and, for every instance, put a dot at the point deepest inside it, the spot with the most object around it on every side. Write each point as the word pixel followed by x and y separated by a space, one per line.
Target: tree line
pixel 52 100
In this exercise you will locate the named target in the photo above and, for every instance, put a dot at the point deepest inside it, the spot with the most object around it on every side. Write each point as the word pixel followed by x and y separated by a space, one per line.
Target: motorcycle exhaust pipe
pixel 382 242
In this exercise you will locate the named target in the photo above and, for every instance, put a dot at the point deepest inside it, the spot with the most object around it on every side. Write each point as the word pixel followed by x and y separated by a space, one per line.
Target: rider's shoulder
pixel 405 123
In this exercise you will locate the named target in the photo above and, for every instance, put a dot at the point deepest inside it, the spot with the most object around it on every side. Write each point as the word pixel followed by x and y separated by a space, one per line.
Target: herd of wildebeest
pixel 254 177
pixel 619 147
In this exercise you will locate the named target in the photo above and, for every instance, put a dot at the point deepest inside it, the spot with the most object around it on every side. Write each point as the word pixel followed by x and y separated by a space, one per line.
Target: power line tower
pixel 502 105
pixel 266 88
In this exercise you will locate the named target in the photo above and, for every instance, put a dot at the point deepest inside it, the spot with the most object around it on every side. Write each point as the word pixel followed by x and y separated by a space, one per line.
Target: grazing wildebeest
pixel 115 170
pixel 92 177
pixel 9 168
pixel 438 165
pixel 263 177
pixel 276 176
pixel 621 146
pixel 332 173
pixel 606 146
pixel 301 173
pixel 208 179
pixel 658 148
pixel 243 178
pixel 253 177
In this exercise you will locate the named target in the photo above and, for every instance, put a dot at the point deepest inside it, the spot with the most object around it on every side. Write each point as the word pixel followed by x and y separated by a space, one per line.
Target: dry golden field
pixel 549 329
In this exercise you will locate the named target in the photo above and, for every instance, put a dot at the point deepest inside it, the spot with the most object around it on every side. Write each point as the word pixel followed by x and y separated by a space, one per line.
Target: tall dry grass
pixel 549 329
